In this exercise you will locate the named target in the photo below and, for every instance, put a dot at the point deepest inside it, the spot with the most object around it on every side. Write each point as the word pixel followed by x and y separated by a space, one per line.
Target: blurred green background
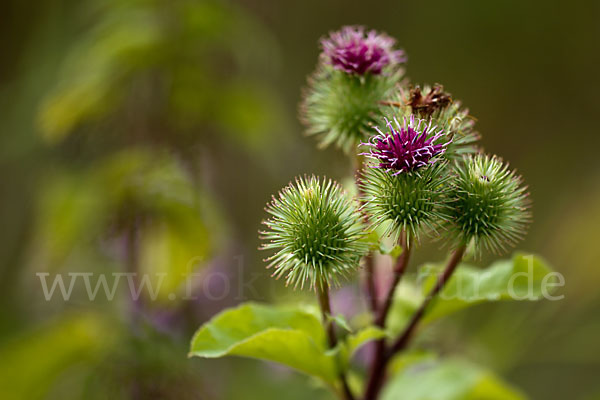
pixel 147 136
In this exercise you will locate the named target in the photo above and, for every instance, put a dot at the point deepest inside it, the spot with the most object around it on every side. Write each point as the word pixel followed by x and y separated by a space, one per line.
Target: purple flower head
pixel 406 147
pixel 349 50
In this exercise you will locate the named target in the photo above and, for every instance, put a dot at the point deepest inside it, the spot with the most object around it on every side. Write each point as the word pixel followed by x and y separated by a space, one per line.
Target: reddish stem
pixel 323 295
pixel 404 339
pixel 381 360
pixel 378 364
pixel 370 286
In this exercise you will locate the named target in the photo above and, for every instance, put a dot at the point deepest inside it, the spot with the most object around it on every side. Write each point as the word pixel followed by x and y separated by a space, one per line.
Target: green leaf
pixel 409 358
pixel 380 241
pixel 448 380
pixel 288 336
pixel 341 321
pixel 393 252
pixel 522 278
pixel 348 347
pixel 373 240
pixel 360 338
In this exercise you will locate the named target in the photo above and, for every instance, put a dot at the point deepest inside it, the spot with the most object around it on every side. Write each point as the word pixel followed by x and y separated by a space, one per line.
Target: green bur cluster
pixel 316 232
pixel 487 204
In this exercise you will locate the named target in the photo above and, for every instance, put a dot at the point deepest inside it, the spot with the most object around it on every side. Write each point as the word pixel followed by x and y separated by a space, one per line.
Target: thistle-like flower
pixel 403 183
pixel 355 73
pixel 488 205
pixel 406 147
pixel 316 232
pixel 353 52
pixel 437 106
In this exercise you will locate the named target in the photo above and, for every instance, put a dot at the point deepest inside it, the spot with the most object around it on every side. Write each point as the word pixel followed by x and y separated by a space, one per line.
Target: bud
pixel 316 232
pixel 488 205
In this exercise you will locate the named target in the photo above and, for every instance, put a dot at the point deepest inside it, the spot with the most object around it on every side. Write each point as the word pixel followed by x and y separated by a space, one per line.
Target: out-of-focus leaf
pixel 383 242
pixel 181 51
pixel 248 380
pixel 524 277
pixel 155 182
pixel 31 364
pixel 379 241
pixel 448 380
pixel 409 358
pixel 94 72
pixel 183 225
pixel 362 337
pixel 72 210
pixel 174 255
pixel 77 211
pixel 521 278
pixel 394 251
pixel 341 321
pixel 288 336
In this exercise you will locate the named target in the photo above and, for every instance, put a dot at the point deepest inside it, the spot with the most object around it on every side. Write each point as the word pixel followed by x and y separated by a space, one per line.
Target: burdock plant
pixel 420 175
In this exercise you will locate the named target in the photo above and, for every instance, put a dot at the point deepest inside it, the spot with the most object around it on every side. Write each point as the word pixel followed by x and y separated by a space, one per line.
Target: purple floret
pixel 405 148
pixel 351 51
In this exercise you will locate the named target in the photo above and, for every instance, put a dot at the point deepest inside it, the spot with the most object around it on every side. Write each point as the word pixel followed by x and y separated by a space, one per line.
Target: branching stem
pixel 406 335
pixel 383 355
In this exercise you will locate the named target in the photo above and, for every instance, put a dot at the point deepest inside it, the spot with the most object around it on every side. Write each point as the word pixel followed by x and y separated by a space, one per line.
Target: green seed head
pixel 341 108
pixel 315 231
pixel 412 202
pixel 488 205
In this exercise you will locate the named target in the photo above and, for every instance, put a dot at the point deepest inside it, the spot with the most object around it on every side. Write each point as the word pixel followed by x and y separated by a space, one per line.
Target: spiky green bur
pixel 316 232
pixel 411 202
pixel 488 205
pixel 341 108
pixel 433 104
